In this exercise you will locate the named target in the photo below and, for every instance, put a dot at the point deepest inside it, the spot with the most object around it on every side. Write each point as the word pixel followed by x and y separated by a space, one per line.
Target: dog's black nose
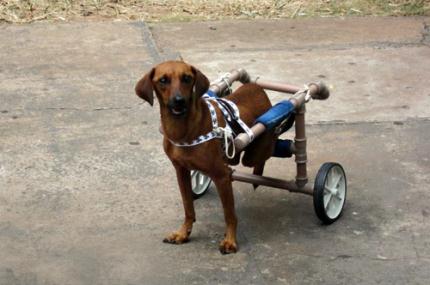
pixel 178 105
pixel 178 100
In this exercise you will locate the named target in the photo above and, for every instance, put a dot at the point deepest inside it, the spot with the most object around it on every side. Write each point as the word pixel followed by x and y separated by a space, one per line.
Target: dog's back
pixel 252 102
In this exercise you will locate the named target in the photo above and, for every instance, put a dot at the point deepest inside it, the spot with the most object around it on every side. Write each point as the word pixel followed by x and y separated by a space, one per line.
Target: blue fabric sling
pixel 276 115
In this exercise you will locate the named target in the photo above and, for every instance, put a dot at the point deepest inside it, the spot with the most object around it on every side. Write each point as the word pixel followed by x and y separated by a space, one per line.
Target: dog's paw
pixel 227 247
pixel 176 238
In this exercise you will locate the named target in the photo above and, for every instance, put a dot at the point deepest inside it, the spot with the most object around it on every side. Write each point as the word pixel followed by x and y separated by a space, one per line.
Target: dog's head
pixel 176 84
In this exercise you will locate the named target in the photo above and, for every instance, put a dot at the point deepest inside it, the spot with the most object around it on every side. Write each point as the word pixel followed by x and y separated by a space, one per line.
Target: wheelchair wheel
pixel 199 184
pixel 329 192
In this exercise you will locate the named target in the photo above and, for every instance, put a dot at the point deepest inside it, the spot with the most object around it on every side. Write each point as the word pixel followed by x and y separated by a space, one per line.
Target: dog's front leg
pixel 225 191
pixel 184 182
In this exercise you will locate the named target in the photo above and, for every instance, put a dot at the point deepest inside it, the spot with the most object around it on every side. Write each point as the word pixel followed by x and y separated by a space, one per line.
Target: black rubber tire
pixel 201 193
pixel 319 192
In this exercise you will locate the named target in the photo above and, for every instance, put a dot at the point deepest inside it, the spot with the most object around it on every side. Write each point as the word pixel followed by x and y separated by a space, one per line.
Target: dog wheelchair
pixel 330 186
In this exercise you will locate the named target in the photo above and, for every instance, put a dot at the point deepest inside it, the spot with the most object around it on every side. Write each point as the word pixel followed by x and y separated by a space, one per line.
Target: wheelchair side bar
pixel 275 86
pixel 289 185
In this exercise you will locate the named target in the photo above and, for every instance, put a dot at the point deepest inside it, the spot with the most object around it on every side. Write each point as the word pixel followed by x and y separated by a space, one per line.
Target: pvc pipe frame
pixel 317 91
pixel 298 100
pixel 289 185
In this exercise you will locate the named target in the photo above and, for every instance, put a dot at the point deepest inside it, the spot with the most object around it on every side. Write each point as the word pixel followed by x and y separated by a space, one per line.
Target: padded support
pixel 212 94
pixel 283 148
pixel 276 114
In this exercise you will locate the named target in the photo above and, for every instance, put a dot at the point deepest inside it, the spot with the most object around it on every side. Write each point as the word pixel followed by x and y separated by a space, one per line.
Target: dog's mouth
pixel 178 105
pixel 178 110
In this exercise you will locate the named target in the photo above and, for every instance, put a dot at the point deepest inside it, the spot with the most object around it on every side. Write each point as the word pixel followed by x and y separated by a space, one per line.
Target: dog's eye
pixel 164 80
pixel 187 79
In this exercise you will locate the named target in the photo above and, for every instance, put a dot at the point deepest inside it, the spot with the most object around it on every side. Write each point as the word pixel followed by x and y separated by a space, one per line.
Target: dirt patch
pixel 25 11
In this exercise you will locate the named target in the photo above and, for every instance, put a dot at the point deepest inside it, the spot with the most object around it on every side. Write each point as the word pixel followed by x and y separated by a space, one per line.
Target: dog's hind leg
pixel 225 191
pixel 259 151
pixel 258 170
pixel 184 182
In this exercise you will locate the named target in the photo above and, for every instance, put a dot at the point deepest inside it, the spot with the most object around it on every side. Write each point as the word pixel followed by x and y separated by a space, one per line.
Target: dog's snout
pixel 178 105
pixel 178 99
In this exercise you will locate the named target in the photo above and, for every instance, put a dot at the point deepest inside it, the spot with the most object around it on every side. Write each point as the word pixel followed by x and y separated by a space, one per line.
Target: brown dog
pixel 184 117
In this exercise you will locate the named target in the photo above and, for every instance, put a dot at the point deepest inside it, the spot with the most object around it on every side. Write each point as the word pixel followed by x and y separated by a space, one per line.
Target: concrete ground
pixel 86 193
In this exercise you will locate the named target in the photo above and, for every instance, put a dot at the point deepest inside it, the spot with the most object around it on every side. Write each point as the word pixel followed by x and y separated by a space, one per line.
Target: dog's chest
pixel 198 157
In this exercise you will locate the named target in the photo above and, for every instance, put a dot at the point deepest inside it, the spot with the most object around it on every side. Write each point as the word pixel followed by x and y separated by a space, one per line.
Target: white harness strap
pixel 215 133
pixel 236 116
pixel 219 132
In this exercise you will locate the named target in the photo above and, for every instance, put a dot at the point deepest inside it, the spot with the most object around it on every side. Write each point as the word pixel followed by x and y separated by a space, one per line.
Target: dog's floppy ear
pixel 201 82
pixel 144 87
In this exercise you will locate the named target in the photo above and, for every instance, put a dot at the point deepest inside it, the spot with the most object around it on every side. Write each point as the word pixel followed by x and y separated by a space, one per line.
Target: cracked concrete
pixel 86 193
pixel 425 33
